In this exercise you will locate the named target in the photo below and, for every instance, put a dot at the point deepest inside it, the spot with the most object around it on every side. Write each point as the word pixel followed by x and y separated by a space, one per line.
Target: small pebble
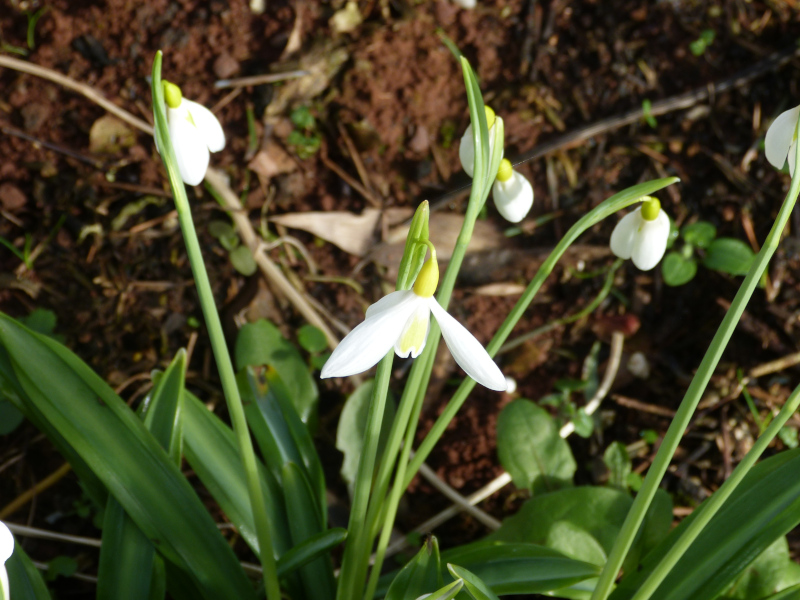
pixel 11 197
pixel 225 66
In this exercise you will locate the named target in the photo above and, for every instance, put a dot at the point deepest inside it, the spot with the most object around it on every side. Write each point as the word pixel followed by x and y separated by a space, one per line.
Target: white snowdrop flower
pixel 402 320
pixel 512 193
pixel 194 131
pixel 6 550
pixel 642 235
pixel 780 142
pixel 466 148
pixel 639 366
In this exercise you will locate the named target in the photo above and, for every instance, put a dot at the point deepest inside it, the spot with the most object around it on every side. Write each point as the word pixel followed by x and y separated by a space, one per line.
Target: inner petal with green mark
pixel 412 338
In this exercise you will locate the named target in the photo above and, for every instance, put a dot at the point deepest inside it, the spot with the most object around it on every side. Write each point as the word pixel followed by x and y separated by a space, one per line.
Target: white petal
pixel 6 543
pixel 388 302
pixel 650 242
pixel 465 4
pixel 190 148
pixel 624 233
pixel 207 124
pixel 468 352
pixel 513 198
pixel 780 136
pixel 363 347
pixel 466 151
pixel 415 332
pixel 792 157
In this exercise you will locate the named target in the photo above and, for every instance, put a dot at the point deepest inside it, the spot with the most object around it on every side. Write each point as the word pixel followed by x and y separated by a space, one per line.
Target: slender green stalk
pixel 359 539
pixel 608 207
pixel 218 345
pixel 713 504
pixel 689 403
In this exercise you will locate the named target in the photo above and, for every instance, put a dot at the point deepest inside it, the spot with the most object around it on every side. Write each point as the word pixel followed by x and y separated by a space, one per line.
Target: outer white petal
pixel 622 237
pixel 650 242
pixel 513 198
pixel 207 124
pixel 466 151
pixel 780 136
pixel 371 340
pixel 190 148
pixel 468 352
pixel 388 302
pixel 6 543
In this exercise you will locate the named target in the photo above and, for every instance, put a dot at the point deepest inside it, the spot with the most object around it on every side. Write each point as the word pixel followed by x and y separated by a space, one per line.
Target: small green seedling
pixel 240 256
pixel 698 47
pixel 647 114
pixel 726 255
pixel 304 138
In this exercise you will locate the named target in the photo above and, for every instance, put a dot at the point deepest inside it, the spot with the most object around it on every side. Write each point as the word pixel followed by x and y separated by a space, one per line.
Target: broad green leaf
pixel 422 575
pixel 41 320
pixel 24 579
pixel 243 261
pixel 281 435
pixel 211 449
pixel 311 548
pixel 576 543
pixel 678 270
pixel 699 234
pixel 302 511
pixel 350 432
pixel 772 571
pixel 10 417
pixel 312 339
pixel 583 422
pixel 729 255
pixel 599 511
pixel 531 450
pixel 261 343
pixel 476 588
pixel 114 444
pixel 519 568
pixel 618 463
pixel 126 565
pixel 61 566
pixel 765 506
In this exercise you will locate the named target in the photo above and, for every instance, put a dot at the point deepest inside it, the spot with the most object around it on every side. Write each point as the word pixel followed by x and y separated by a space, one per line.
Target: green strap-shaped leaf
pixel 211 449
pixel 304 552
pixel 476 588
pixel 765 506
pixel 521 568
pixel 114 444
pixel 422 574
pixel 24 580
pixel 127 557
pixel 302 511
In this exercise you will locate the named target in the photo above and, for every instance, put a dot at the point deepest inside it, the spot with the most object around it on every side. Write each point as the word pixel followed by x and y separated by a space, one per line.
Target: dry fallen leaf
pixel 108 134
pixel 272 160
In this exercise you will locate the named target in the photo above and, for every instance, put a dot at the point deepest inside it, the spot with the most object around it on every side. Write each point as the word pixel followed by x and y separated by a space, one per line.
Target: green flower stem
pixel 608 207
pixel 353 574
pixel 397 491
pixel 689 403
pixel 710 507
pixel 218 345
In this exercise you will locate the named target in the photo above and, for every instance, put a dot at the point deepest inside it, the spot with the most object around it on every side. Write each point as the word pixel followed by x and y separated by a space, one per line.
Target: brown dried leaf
pixel 108 134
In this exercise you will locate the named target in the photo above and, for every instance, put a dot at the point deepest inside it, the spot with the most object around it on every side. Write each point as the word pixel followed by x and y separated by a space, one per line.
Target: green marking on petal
pixel 413 337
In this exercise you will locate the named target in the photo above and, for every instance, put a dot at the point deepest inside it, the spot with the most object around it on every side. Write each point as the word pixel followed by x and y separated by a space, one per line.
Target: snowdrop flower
pixel 642 235
pixel 780 142
pixel 194 131
pixel 513 194
pixel 402 320
pixel 6 550
pixel 466 148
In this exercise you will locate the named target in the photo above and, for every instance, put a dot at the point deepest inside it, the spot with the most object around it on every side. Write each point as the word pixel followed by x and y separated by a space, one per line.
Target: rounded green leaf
pixel 531 450
pixel 243 261
pixel 678 270
pixel 312 339
pixel 699 234
pixel 729 255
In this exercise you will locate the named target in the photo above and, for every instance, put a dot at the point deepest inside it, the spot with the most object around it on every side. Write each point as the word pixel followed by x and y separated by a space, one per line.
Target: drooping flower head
pixel 642 235
pixel 6 550
pixel 402 320
pixel 513 194
pixel 781 142
pixel 466 148
pixel 194 131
